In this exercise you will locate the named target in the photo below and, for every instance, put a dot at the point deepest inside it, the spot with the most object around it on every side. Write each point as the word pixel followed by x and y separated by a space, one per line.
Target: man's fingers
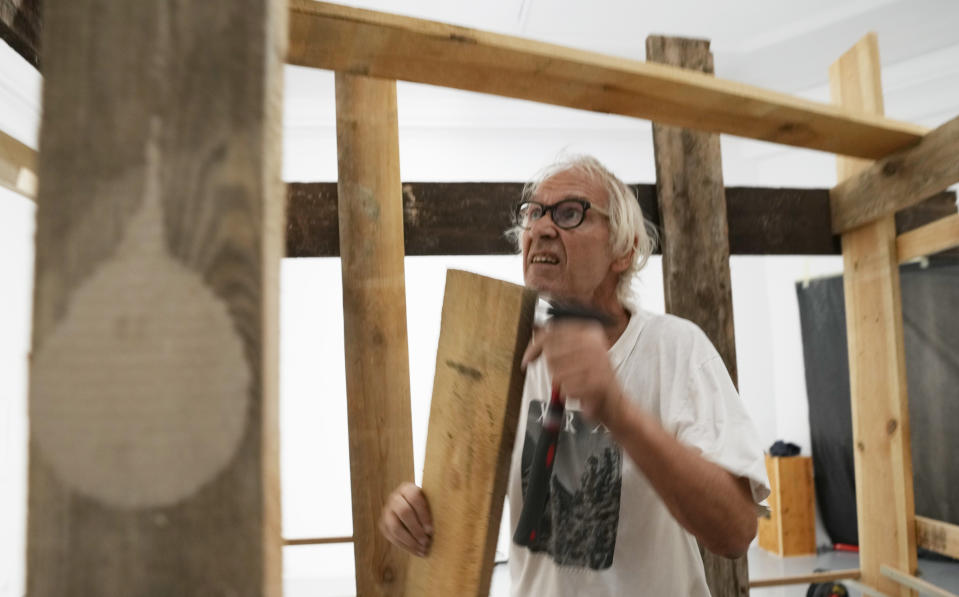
pixel 417 500
pixel 394 530
pixel 407 516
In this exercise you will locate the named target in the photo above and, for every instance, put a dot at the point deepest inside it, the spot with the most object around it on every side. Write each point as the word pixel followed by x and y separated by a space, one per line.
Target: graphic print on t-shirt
pixel 582 508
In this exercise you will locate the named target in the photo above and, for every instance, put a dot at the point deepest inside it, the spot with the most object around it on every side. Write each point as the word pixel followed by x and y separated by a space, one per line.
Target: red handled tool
pixel 541 469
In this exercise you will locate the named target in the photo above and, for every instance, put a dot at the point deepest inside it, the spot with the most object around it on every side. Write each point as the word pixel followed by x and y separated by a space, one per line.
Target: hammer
pixel 541 468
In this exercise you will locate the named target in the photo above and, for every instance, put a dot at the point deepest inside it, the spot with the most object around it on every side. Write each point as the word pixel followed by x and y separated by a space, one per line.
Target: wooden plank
pixel 18 166
pixel 898 180
pixel 938 536
pixel 154 466
pixel 802 579
pixel 877 370
pixel 768 529
pixel 790 529
pixel 20 27
pixel 932 238
pixel 915 583
pixel 374 320
pixel 477 393
pixel 376 44
pixel 762 221
pixel 695 246
pixel 318 540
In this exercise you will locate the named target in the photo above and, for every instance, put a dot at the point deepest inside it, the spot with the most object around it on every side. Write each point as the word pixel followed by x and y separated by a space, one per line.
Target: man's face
pixel 573 264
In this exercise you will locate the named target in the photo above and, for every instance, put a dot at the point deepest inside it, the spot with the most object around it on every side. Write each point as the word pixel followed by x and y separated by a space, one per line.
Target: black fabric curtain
pixel 930 307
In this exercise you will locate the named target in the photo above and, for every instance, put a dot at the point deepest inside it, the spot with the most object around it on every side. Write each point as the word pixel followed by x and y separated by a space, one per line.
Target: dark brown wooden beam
pixel 469 218
pixel 20 27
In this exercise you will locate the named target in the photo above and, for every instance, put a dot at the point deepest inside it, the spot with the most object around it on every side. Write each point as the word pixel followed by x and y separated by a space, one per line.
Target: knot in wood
pixel 388 575
pixel 891 167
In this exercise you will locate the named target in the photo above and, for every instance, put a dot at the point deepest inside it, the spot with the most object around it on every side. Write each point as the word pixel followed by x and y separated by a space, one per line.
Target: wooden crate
pixel 790 529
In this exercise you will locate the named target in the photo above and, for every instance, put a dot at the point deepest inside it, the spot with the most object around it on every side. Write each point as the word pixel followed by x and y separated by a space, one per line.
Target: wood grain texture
pixel 898 180
pixel 937 536
pixel 341 38
pixel 932 238
pixel 18 166
pixel 374 320
pixel 695 245
pixel 159 238
pixel 790 529
pixel 877 371
pixel 762 221
pixel 477 393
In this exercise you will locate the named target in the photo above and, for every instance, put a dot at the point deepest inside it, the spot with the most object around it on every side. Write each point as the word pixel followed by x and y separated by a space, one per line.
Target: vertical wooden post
pixel 153 400
pixel 877 371
pixel 695 244
pixel 374 319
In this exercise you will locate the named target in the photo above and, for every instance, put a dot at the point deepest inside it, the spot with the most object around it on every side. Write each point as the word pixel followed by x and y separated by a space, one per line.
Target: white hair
pixel 628 229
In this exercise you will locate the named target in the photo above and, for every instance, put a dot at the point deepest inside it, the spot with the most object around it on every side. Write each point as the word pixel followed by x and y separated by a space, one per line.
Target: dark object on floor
pixel 781 448
pixel 827 589
pixel 931 331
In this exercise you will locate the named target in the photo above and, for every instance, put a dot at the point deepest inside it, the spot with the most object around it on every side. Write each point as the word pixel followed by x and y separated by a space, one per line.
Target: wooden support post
pixel 477 394
pixel 877 370
pixel 695 243
pixel 154 465
pixel 374 320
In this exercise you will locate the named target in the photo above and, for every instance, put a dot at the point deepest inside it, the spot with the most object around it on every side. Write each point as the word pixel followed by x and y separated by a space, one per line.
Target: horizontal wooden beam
pixel 376 44
pixel 913 582
pixel 940 537
pixel 317 540
pixel 20 26
pixel 18 166
pixel 470 218
pixel 805 578
pixel 932 238
pixel 898 180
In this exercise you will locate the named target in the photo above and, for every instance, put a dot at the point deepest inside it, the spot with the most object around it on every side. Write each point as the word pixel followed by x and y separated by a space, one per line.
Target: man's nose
pixel 544 226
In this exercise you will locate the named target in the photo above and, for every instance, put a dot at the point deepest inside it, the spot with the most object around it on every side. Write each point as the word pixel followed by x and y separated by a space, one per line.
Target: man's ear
pixel 621 264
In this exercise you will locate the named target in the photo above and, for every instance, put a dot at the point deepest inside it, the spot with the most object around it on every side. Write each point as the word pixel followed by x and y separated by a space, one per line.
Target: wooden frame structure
pixel 369 51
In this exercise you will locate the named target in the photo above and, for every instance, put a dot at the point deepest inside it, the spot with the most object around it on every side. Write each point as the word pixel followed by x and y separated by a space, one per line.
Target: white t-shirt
pixel 605 531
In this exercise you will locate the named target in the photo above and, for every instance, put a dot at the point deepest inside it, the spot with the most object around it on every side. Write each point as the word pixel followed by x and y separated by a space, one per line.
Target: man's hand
pixel 577 360
pixel 406 521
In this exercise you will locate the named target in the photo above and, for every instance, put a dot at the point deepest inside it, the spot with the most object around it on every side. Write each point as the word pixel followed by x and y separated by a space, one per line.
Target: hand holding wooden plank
pixel 477 393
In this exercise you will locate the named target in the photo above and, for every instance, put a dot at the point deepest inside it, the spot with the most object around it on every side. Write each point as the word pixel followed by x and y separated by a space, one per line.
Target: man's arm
pixel 705 499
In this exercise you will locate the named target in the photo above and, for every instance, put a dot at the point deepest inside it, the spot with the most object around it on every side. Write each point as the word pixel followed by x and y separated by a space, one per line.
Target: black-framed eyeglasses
pixel 567 214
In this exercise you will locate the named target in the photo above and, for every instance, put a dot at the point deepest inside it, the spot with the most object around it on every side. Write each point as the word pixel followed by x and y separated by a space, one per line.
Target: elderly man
pixel 656 449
